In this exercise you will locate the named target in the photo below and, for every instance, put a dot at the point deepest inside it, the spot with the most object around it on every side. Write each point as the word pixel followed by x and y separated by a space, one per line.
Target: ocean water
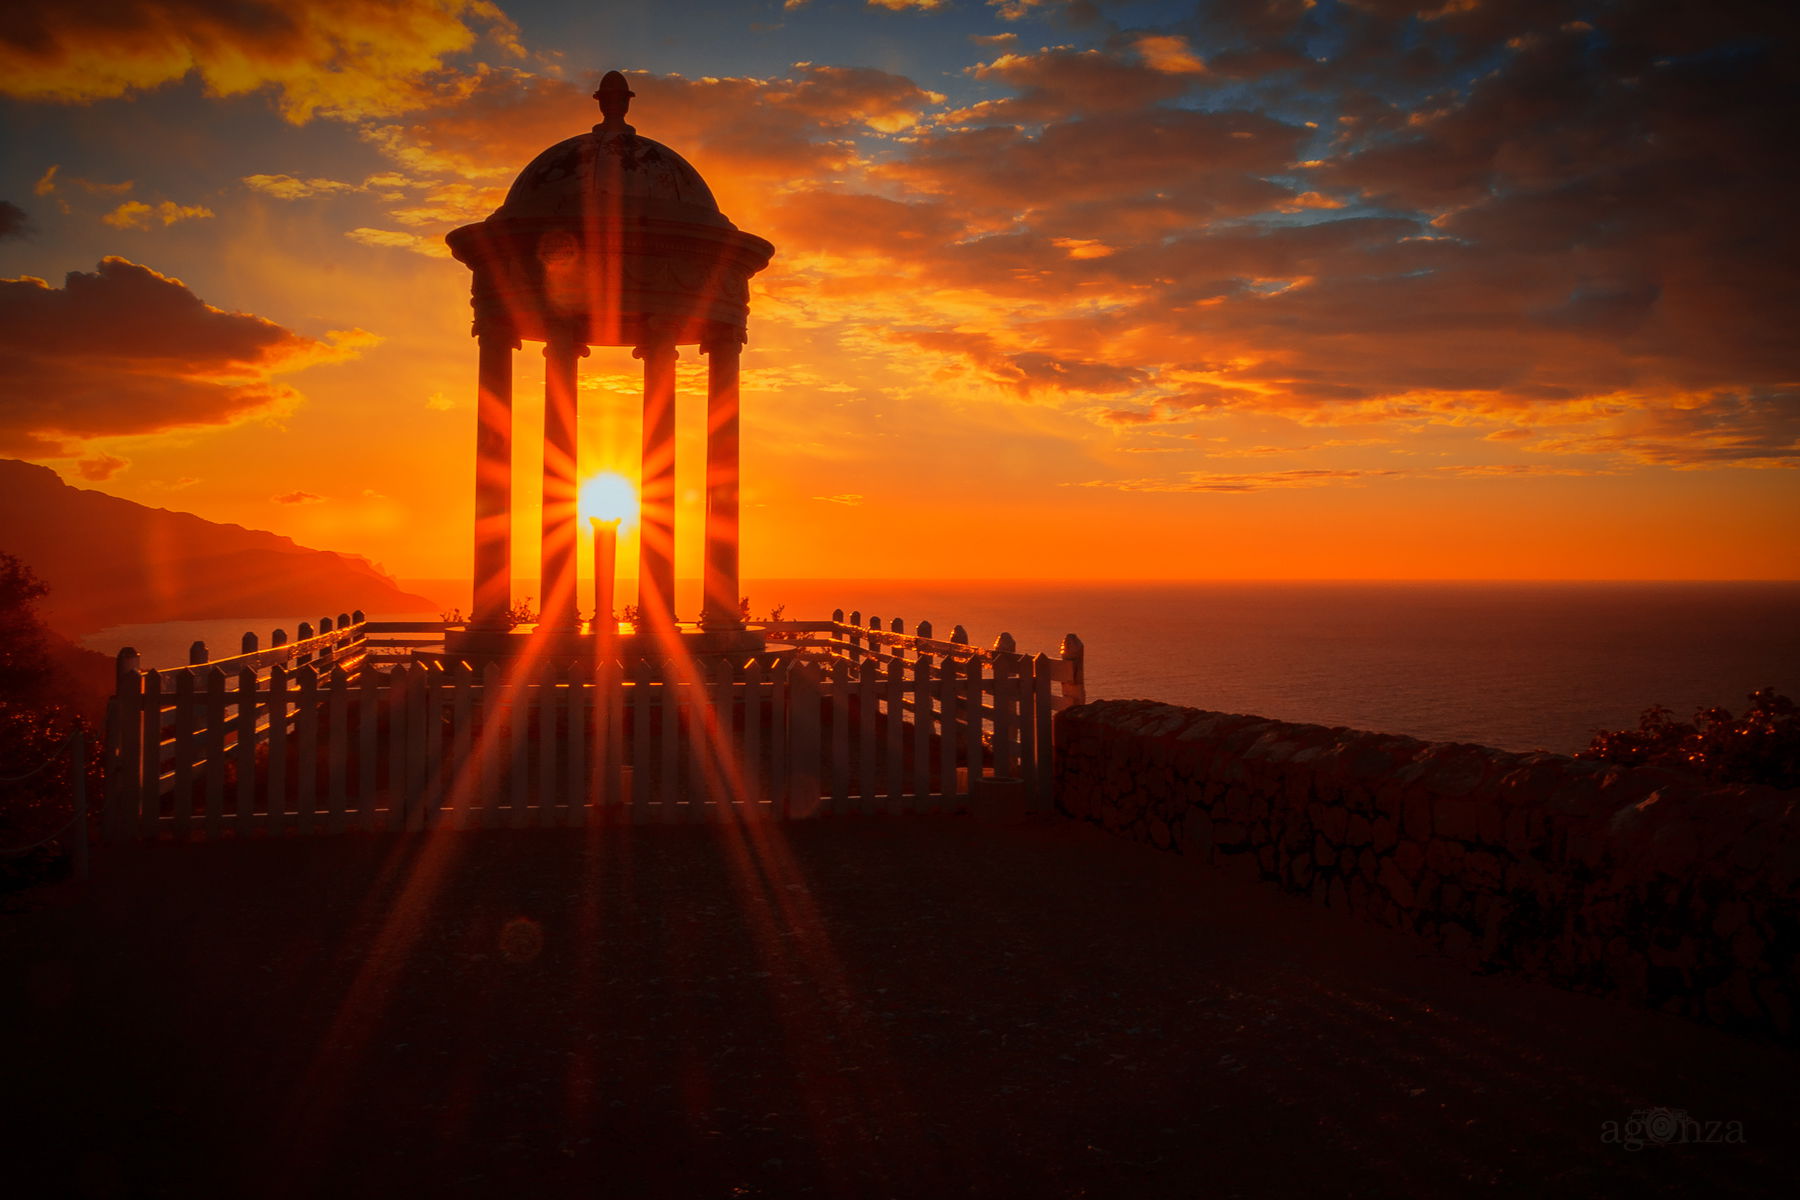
pixel 1520 666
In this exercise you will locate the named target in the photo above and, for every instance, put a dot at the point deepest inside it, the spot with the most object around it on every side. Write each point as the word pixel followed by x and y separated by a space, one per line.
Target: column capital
pixel 716 342
pixel 656 348
pixel 496 335
pixel 561 342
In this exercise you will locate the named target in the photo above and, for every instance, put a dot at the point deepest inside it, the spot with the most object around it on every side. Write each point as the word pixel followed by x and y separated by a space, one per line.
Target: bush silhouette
pixel 1760 746
pixel 36 774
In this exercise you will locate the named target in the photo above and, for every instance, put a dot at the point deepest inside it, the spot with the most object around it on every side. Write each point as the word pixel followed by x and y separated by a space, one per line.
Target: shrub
pixel 1761 746
pixel 36 771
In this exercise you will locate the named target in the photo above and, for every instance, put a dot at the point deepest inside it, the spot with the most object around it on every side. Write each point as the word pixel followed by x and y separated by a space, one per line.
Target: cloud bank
pixel 124 350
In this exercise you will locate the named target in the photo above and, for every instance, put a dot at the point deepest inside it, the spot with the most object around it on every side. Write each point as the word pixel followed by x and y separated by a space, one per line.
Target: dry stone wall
pixel 1669 892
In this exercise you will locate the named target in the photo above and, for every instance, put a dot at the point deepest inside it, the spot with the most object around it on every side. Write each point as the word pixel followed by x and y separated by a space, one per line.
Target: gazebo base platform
pixel 481 646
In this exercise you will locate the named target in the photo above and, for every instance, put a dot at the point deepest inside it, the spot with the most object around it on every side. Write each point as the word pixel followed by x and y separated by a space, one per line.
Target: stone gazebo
pixel 608 239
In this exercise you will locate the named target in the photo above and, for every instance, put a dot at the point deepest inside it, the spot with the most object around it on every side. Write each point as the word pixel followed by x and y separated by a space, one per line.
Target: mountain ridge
pixel 110 561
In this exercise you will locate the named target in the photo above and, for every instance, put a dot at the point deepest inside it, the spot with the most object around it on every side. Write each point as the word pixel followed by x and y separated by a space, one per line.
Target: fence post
pixel 337 746
pixel 456 771
pixel 416 696
pixel 278 745
pixel 1074 688
pixel 1006 722
pixel 521 686
pixel 776 745
pixel 112 778
pixel 643 771
pixel 184 752
pixel 483 805
pixel 949 732
pixel 893 735
pixel 973 750
pixel 306 749
pixel 868 678
pixel 124 765
pixel 147 776
pixel 840 735
pixel 920 784
pixel 213 747
pixel 803 751
pixel 246 748
pixel 196 654
pixel 544 705
pixel 610 721
pixel 756 779
pixel 923 630
pixel 575 740
pixel 78 848
pixel 1041 711
pixel 675 697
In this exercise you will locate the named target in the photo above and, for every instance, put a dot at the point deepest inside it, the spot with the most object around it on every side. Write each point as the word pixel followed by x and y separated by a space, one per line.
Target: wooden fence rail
pixel 850 723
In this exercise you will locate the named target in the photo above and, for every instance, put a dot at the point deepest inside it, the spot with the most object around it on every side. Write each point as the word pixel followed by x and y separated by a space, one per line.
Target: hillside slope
pixel 111 562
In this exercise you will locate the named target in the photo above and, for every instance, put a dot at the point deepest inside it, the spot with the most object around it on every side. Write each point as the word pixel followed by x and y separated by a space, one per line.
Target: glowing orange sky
pixel 1242 293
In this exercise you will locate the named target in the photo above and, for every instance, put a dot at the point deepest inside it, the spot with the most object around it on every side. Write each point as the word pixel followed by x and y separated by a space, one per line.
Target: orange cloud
pixel 1026 372
pixel 101 466
pixel 430 247
pixel 125 350
pixel 344 58
pixel 1169 53
pixel 135 214
pixel 287 187
pixel 1018 10
pixel 1061 82
pixel 51 181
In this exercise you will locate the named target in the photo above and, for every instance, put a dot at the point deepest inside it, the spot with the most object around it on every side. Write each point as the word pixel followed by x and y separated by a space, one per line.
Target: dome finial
pixel 614 95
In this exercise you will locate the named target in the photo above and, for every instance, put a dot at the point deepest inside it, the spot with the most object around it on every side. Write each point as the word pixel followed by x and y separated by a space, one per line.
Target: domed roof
pixel 611 173
pixel 612 238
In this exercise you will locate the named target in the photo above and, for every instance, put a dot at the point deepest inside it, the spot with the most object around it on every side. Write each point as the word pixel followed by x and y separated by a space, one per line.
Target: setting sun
pixel 608 497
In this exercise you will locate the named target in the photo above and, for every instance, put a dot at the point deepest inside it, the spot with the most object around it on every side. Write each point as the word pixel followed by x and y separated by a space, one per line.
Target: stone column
pixel 721 576
pixel 656 483
pixel 493 481
pixel 562 536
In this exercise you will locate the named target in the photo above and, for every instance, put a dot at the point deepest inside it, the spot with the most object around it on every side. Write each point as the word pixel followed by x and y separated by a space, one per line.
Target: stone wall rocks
pixel 1667 891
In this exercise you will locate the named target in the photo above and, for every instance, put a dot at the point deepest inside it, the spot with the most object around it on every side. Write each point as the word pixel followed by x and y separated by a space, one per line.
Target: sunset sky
pixel 1253 288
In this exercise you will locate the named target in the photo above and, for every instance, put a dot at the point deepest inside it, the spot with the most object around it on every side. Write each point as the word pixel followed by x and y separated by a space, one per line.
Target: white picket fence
pixel 321 734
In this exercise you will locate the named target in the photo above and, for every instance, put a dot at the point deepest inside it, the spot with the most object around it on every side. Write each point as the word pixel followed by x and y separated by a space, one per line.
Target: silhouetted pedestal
pixel 481 646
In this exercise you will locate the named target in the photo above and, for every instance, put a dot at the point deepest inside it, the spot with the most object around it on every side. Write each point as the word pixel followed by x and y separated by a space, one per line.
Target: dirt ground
pixel 916 1007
